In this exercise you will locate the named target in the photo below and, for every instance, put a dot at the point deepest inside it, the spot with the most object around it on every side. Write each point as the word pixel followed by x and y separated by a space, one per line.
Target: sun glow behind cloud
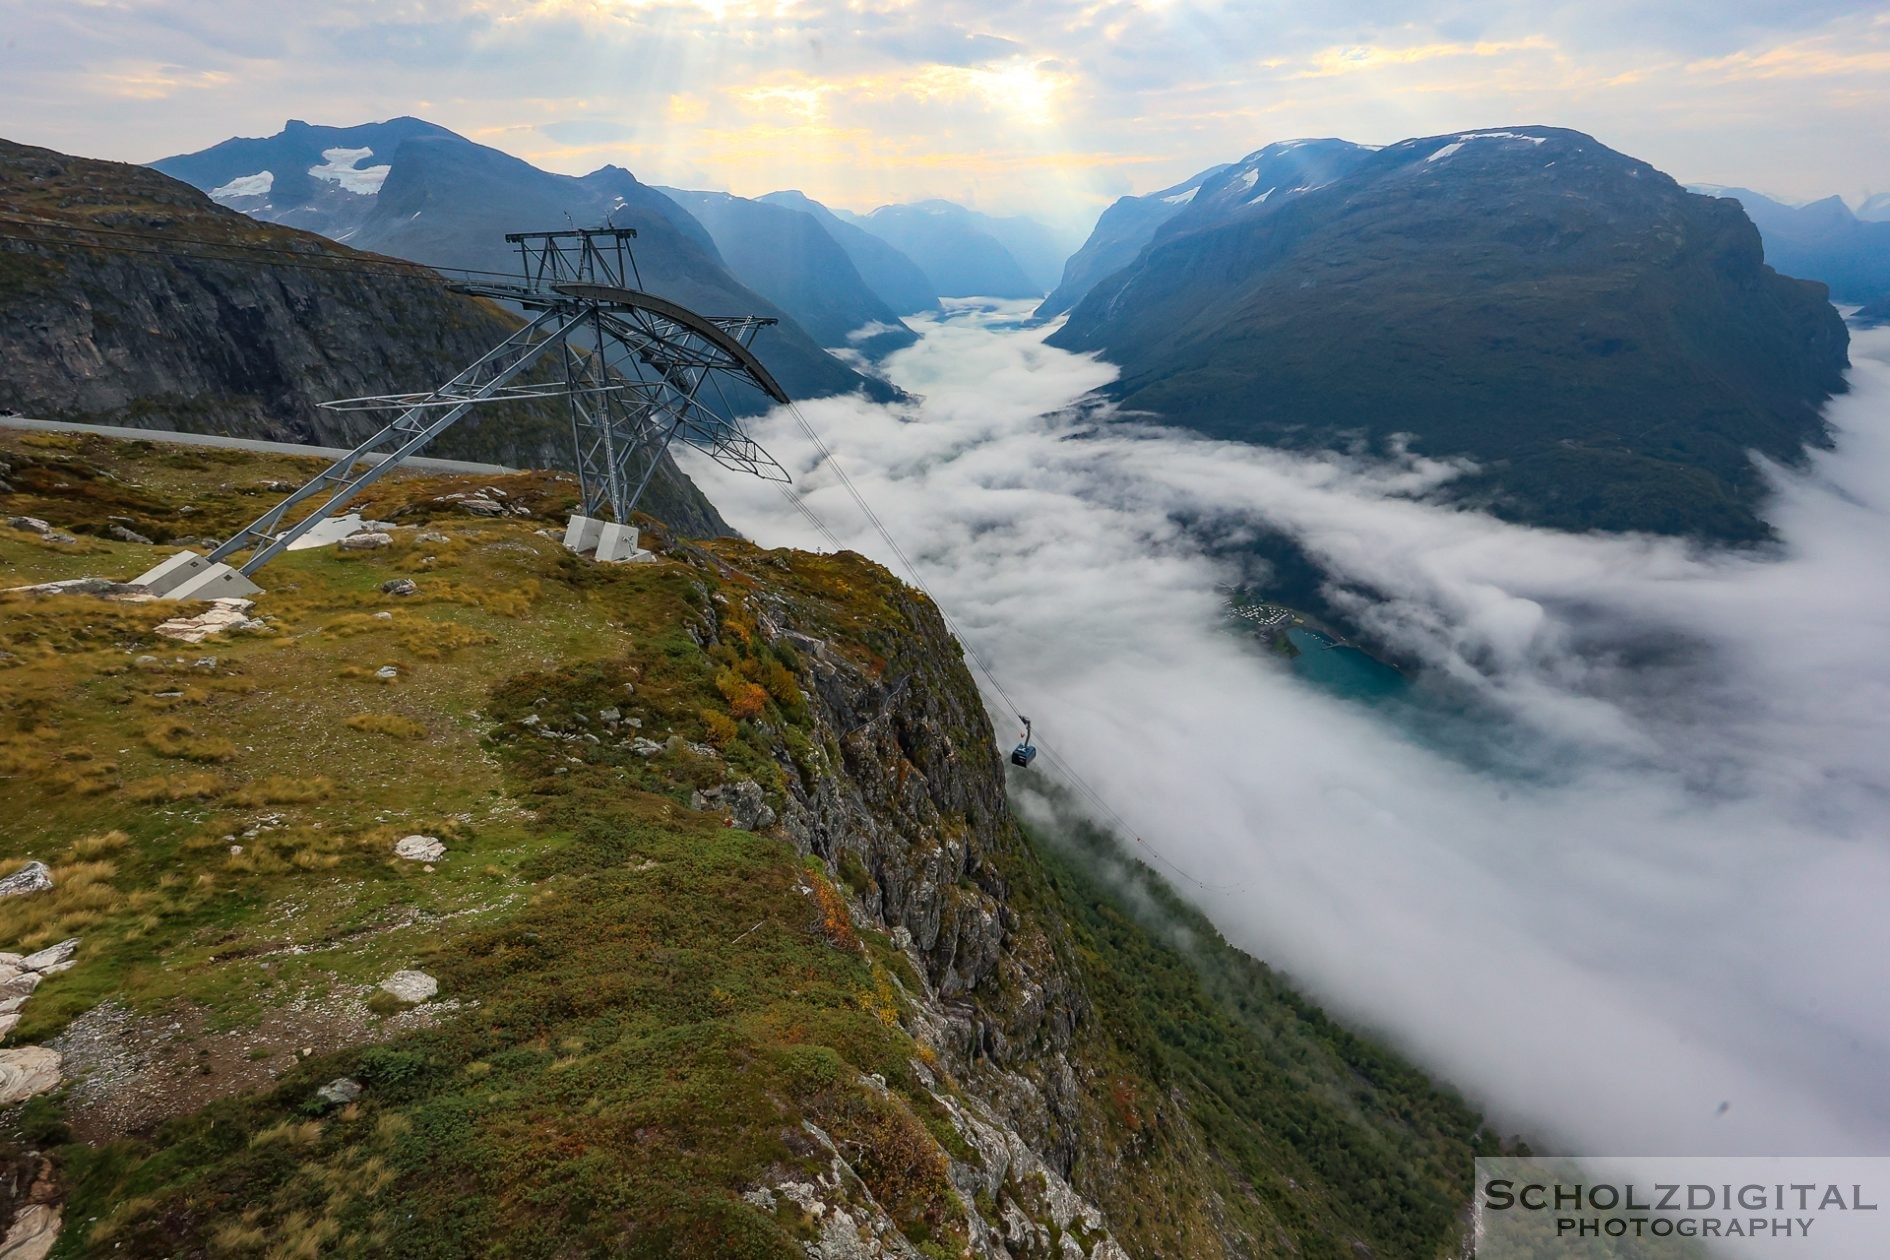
pixel 1056 107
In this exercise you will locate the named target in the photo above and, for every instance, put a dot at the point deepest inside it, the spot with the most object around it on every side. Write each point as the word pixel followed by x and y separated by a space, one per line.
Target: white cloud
pixel 1052 108
pixel 1670 895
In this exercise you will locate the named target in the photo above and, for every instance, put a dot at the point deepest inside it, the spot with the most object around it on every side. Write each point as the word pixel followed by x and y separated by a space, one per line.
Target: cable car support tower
pixel 636 373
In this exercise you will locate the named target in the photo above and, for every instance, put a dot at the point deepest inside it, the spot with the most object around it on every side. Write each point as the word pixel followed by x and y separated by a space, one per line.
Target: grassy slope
pixel 641 1003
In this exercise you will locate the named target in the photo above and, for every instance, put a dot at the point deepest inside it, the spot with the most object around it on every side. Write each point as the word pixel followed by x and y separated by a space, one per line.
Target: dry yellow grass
pixel 201 786
pixel 280 789
pixel 173 738
pixel 437 640
pixel 100 844
pixel 388 724
pixel 81 895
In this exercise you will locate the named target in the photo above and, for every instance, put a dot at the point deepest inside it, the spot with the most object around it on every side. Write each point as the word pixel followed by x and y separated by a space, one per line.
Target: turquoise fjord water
pixel 1343 671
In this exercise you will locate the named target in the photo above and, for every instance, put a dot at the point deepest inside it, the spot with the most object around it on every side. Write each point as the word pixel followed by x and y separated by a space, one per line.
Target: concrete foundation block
pixel 580 534
pixel 617 542
pixel 172 573
pixel 215 581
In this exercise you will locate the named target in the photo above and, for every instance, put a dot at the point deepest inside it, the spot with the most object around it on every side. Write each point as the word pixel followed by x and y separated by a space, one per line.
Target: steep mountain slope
pixel 127 297
pixel 1218 193
pixel 789 258
pixel 1876 209
pixel 1119 235
pixel 953 246
pixel 320 178
pixel 895 278
pixel 447 202
pixel 731 945
pixel 1607 346
pixel 1821 240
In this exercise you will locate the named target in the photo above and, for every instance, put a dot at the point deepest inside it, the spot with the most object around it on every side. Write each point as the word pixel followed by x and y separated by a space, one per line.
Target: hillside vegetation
pixel 739 950
pixel 1606 347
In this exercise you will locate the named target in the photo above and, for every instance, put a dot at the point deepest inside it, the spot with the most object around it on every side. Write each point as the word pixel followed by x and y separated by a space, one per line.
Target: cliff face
pixel 726 943
pixel 114 309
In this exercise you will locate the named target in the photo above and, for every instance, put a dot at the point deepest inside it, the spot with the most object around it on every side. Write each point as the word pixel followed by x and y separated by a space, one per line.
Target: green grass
pixel 640 1007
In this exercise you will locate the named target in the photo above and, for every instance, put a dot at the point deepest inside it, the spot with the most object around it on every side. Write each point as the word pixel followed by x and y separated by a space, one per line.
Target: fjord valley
pixel 471 888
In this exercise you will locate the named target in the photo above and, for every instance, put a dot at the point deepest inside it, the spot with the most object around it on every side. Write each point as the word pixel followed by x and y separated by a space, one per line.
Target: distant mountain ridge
pixel 1820 240
pixel 788 257
pixel 958 249
pixel 1119 235
pixel 1607 346
pixel 897 280
pixel 1127 227
pixel 437 198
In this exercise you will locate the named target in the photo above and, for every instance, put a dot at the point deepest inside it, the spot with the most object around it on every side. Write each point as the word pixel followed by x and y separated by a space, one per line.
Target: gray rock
pixel 645 747
pixel 32 524
pixel 26 1071
pixel 31 878
pixel 339 1092
pixel 744 801
pixel 387 671
pixel 431 536
pixel 127 535
pixel 419 848
pixel 224 615
pixel 411 986
pixel 51 956
pixel 370 541
pixel 399 586
pixel 481 507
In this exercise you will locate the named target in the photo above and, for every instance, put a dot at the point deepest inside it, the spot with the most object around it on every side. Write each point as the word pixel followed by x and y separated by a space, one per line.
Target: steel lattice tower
pixel 637 373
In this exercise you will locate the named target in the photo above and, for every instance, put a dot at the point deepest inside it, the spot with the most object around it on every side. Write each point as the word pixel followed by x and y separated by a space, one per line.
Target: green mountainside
pixel 1606 346
pixel 731 946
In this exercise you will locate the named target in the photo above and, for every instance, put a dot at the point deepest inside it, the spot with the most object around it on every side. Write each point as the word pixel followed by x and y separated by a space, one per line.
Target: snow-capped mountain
pixel 1263 178
pixel 418 191
pixel 1119 235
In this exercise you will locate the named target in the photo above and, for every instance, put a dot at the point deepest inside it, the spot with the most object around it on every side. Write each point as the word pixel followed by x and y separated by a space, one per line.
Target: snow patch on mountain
pixel 257 185
pixel 1468 136
pixel 342 166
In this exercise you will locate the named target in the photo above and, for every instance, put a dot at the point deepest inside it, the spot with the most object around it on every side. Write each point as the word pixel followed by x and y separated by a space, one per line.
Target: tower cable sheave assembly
pixel 636 373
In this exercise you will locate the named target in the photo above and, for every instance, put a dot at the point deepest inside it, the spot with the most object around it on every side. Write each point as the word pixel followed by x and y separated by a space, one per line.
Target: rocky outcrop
pixel 909 810
pixel 31 878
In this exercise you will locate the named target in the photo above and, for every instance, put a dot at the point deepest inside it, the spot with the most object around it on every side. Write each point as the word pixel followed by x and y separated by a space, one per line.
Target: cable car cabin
pixel 1025 752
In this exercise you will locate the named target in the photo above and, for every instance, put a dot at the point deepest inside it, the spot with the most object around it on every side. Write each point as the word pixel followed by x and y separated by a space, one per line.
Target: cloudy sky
pixel 1055 106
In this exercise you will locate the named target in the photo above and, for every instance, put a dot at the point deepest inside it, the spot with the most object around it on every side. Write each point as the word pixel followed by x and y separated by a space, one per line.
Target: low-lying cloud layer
pixel 1658 928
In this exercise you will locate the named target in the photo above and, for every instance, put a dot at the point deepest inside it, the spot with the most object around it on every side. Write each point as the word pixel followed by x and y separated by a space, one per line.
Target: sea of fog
pixel 1656 923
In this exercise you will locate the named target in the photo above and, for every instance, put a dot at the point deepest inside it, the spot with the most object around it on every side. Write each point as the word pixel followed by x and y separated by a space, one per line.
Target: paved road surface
pixel 241 444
